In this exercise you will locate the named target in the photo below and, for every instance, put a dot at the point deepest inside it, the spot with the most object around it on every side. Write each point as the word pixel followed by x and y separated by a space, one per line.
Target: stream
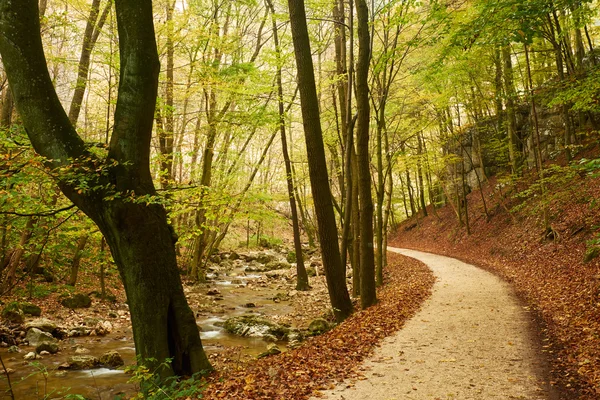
pixel 240 293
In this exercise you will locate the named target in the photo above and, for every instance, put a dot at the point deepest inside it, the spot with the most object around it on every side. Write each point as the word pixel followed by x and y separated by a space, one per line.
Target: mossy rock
pixel 82 362
pixel 265 258
pixel 51 348
pixel 310 271
pixel 42 324
pixel 78 300
pixel 291 257
pixel 254 326
pixel 273 265
pixel 111 359
pixel 319 326
pixel 31 309
pixel 12 312
pixel 272 349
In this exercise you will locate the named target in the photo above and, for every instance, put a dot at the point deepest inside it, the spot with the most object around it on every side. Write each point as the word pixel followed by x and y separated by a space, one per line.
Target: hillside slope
pixel 548 273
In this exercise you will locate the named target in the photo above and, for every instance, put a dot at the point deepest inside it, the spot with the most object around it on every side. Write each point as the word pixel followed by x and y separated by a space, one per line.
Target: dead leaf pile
pixel 333 356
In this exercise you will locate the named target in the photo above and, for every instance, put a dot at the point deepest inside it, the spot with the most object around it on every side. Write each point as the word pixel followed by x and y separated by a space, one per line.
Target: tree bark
pixel 302 276
pixel 138 234
pixel 90 37
pixel 77 259
pixel 368 294
pixel 328 236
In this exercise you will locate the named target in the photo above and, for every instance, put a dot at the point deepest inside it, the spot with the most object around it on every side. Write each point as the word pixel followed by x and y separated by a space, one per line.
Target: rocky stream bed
pixel 249 308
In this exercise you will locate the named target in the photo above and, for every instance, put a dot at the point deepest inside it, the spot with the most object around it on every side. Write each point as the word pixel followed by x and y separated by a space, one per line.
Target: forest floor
pixel 336 355
pixel 548 272
pixel 471 340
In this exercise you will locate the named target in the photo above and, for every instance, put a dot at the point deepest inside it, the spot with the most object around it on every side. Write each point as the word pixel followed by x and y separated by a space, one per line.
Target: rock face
pixel 13 313
pixel 253 326
pixel 319 326
pixel 111 359
pixel 36 337
pixel 78 300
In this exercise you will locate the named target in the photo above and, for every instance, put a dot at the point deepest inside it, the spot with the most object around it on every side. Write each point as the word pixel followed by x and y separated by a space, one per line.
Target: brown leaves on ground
pixel 550 275
pixel 333 356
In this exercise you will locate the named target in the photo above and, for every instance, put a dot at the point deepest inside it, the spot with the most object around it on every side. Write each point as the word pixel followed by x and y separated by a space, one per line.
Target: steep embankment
pixel 549 274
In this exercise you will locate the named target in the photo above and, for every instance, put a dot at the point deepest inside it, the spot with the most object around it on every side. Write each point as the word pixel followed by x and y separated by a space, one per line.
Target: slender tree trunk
pixel 509 88
pixel 420 174
pixel 538 146
pixel 334 271
pixel 90 37
pixel 17 255
pixel 77 259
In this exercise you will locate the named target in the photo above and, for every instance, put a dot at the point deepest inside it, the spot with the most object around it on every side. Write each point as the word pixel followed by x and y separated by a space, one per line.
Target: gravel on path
pixel 473 339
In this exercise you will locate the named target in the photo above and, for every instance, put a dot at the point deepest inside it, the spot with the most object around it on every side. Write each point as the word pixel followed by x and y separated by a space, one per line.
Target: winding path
pixel 471 340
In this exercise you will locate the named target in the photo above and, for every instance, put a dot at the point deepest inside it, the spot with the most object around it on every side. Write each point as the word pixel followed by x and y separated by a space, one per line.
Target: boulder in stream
pixel 254 326
pixel 42 324
pixel 80 362
pixel 36 337
pixel 14 349
pixel 51 348
pixel 111 359
pixel 272 349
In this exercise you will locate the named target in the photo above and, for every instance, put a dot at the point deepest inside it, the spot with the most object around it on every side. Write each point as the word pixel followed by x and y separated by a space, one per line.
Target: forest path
pixel 471 340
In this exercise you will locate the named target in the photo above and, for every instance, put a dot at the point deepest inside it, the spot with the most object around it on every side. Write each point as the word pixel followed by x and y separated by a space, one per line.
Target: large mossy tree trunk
pixel 136 230
pixel 317 165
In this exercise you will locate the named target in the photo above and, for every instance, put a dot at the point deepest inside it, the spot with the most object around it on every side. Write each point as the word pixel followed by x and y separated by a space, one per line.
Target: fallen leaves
pixel 561 290
pixel 333 356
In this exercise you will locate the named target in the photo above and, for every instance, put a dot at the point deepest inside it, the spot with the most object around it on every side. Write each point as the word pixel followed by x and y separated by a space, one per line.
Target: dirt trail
pixel 471 340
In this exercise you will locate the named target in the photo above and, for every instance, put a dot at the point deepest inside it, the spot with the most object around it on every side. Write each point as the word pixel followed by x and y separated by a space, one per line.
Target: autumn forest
pixel 264 200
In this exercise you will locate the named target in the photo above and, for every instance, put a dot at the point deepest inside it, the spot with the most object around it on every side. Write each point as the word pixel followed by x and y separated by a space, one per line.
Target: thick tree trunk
pixel 367 257
pixel 302 276
pixel 138 234
pixel 142 247
pixel 328 236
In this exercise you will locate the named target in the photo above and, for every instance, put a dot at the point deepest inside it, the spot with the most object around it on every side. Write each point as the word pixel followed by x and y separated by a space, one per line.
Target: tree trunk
pixel 90 37
pixel 509 88
pixel 302 276
pixel 368 295
pixel 138 234
pixel 328 236
pixel 17 255
pixel 77 259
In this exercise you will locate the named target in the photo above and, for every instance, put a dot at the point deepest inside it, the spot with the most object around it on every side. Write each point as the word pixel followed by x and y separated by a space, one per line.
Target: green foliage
pixel 581 94
pixel 590 167
pixel 150 387
pixel 556 179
